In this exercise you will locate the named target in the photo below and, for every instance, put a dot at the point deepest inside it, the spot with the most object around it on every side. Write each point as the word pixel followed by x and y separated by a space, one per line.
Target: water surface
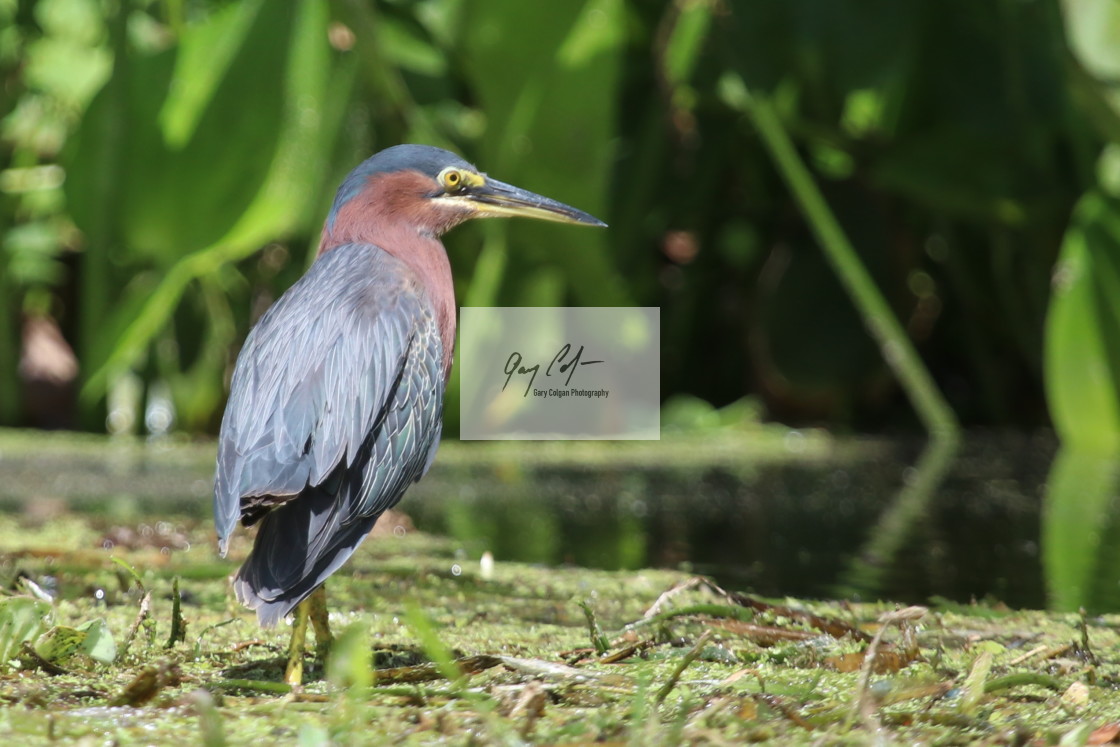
pixel 774 512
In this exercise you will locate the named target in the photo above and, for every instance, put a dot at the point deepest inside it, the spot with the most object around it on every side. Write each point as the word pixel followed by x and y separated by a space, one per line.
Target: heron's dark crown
pixel 426 159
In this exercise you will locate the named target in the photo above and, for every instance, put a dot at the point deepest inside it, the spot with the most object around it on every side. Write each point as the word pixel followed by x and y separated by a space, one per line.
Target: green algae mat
pixel 126 634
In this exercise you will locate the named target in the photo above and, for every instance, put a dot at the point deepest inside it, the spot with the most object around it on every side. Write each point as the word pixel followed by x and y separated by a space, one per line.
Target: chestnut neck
pixel 392 213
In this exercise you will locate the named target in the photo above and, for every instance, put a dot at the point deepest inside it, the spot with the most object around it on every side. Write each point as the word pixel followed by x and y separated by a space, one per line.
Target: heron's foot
pixel 320 619
pixel 293 672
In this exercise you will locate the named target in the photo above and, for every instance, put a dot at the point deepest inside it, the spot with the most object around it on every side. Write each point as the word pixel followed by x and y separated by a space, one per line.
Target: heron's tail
pixel 298 545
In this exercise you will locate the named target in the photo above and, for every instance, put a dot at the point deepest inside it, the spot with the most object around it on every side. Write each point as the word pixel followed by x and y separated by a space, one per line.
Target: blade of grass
pixel 975 683
pixel 178 626
pixel 690 657
pixel 433 646
pixel 598 640
pixel 897 349
pixel 130 570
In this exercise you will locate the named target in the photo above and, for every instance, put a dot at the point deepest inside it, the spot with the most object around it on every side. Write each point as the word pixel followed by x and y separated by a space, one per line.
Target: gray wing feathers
pixel 339 387
pixel 301 543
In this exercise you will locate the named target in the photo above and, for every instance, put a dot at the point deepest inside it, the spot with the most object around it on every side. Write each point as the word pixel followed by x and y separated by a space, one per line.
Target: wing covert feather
pixel 344 372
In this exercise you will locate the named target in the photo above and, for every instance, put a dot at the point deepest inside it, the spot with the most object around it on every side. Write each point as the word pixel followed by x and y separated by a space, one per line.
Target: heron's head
pixel 430 190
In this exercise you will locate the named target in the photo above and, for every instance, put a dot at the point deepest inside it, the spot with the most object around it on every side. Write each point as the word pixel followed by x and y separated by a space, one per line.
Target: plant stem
pixel 690 657
pixel 897 349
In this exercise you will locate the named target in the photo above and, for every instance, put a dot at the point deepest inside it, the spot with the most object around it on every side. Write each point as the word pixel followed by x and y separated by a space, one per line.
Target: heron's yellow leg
pixel 293 673
pixel 320 619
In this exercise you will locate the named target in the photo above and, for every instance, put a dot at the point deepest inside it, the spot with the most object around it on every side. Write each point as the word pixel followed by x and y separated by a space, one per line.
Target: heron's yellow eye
pixel 452 179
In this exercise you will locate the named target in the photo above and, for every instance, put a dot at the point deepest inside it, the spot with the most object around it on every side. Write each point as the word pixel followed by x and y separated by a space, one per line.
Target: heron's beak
pixel 494 199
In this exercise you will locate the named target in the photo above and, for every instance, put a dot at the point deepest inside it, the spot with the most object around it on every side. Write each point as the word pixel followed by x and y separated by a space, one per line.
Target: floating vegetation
pixel 137 645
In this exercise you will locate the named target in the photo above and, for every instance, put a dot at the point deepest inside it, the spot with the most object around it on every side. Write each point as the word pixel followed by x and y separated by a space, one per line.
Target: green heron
pixel 336 401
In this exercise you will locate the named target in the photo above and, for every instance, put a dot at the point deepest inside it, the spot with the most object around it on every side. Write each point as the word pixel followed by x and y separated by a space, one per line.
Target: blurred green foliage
pixel 165 166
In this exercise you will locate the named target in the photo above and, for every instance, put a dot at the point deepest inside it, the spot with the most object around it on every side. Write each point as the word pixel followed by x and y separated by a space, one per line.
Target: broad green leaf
pixel 21 619
pixel 1082 354
pixel 1093 36
pixel 98 644
pixel 59 643
pixel 595 35
pixel 193 164
pixel 205 54
pixel 1093 32
pixel 550 124
pixel 1080 521
pixel 313 92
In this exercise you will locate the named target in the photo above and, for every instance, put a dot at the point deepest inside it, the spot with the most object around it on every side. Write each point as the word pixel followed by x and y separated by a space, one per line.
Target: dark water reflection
pixel 796 528
pixel 852 518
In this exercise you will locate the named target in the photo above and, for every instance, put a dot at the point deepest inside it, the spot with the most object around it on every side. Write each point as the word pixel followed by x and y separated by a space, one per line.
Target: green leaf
pixel 1093 33
pixel 686 41
pixel 205 54
pixel 21 619
pixel 178 625
pixel 91 638
pixel 59 643
pixel 1093 37
pixel 973 687
pixel 199 149
pixel 98 644
pixel 350 664
pixel 434 647
pixel 406 48
pixel 1082 353
pixel 1079 527
pixel 552 132
pixel 68 61
pixel 130 570
pixel 312 113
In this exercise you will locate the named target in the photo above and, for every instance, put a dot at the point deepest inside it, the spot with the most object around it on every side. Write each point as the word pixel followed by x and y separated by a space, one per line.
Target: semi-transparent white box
pixel 551 373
